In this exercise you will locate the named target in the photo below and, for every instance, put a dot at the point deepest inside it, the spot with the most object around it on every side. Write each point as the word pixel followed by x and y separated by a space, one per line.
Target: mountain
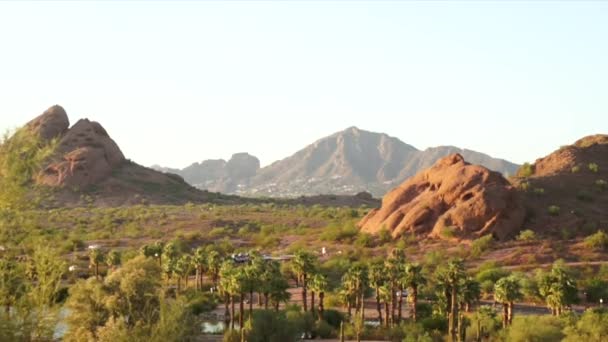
pixel 566 192
pixel 88 167
pixel 346 162
pixel 453 199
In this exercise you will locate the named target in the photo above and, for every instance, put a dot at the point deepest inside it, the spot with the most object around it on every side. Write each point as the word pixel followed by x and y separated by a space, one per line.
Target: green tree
pixel 454 277
pixel 558 288
pixel 113 259
pixel 200 262
pixel 319 285
pixel 592 327
pixel 377 279
pixel 394 266
pixel 413 279
pixel 506 291
pixel 303 264
pixel 96 257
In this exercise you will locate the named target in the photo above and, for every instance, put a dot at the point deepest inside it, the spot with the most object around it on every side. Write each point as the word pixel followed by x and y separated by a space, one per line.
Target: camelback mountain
pixel 562 195
pixel 346 162
pixel 452 199
pixel 87 161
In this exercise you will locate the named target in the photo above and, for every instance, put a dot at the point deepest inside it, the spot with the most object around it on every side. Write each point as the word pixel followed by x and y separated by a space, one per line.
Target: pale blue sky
pixel 178 82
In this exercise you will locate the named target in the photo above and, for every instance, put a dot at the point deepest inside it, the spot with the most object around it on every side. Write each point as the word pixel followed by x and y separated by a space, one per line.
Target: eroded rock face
pixel 242 166
pixel 85 155
pixel 51 124
pixel 469 200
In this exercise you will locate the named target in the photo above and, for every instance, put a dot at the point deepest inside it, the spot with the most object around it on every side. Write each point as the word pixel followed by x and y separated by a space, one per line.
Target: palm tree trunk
pixel 349 304
pixel 226 311
pixel 393 302
pixel 179 284
pixel 505 315
pixel 453 313
pixel 250 303
pixel 386 309
pixel 304 292
pixel 200 274
pixel 312 302
pixel 321 305
pixel 510 318
pixel 241 310
pixel 232 318
pixel 276 306
pixel 97 270
pixel 186 281
pixel 414 303
pixel 400 303
pixel 259 299
pixel 196 285
pixel 378 307
pixel 266 301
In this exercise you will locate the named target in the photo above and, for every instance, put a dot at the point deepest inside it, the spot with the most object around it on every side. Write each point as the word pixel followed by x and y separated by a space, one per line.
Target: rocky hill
pixel 346 162
pixel 88 167
pixel 566 192
pixel 454 200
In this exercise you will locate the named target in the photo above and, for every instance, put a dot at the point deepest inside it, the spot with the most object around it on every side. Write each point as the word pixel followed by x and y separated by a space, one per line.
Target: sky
pixel 178 82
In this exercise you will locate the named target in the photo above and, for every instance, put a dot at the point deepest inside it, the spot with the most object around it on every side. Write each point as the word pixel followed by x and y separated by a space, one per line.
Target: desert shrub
pixel 595 290
pixel 364 240
pixel 199 302
pixel 592 326
pixel 218 232
pixel 539 191
pixel 448 232
pixel 597 241
pixel 553 210
pixel 524 185
pixel 584 195
pixel 333 317
pixel 324 330
pixel 336 232
pixel 480 245
pixel 576 169
pixel 384 236
pixel 593 167
pixel 601 184
pixel 526 170
pixel 535 328
pixel 526 235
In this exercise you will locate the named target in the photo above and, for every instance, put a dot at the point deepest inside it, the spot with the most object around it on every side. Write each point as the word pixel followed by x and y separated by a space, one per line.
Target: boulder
pixel 53 123
pixel 468 200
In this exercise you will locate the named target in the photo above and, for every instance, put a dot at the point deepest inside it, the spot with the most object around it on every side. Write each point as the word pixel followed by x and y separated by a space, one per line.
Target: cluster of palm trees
pixel 97 257
pixel 390 279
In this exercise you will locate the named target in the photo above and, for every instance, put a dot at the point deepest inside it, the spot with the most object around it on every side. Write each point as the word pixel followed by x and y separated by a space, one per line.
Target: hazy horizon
pixel 179 82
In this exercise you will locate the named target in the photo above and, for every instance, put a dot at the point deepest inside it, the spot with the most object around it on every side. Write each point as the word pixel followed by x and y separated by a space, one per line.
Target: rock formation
pixel 85 154
pixel 451 199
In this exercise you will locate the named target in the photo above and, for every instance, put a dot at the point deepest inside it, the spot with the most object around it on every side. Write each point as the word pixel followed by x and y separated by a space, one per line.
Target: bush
pixel 535 328
pixel 336 232
pixel 601 184
pixel 526 170
pixel 324 330
pixel 576 169
pixel 384 236
pixel 553 210
pixel 539 191
pixel 592 326
pixel 597 241
pixel 526 235
pixel 333 317
pixel 593 167
pixel 364 240
pixel 595 290
pixel 479 246
pixel 584 196
pixel 448 232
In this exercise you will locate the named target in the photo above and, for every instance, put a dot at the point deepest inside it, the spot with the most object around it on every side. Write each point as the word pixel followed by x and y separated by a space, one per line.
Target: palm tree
pixel 200 261
pixel 506 291
pixel 386 296
pixel 413 279
pixel 114 259
pixel 377 279
pixel 228 288
pixel 319 285
pixel 278 291
pixel 214 263
pixel 182 270
pixel 251 282
pixel 303 264
pixel 394 267
pixel 348 291
pixel 96 257
pixel 558 288
pixel 471 293
pixel 268 278
pixel 454 275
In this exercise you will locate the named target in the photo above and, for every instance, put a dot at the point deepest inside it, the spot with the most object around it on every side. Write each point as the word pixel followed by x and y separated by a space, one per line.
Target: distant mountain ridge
pixel 346 162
